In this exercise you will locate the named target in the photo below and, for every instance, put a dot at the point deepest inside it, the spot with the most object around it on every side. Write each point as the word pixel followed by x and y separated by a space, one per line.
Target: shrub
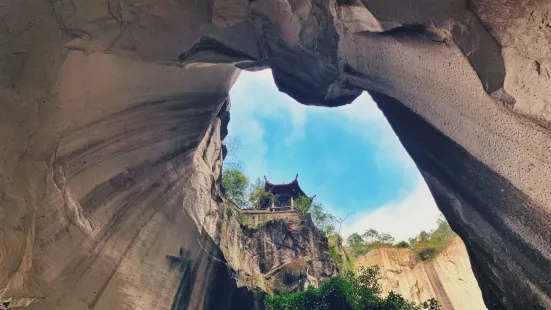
pixel 346 292
pixel 402 245
pixel 428 244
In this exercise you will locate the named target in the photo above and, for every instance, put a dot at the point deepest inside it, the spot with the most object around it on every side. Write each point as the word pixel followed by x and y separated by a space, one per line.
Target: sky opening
pixel 348 156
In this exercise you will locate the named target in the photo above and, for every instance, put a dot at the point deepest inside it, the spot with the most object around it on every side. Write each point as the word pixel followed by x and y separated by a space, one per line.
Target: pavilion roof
pixel 292 188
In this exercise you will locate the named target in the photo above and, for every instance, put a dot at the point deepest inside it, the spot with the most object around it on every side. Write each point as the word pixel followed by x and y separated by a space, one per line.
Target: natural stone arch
pixel 97 161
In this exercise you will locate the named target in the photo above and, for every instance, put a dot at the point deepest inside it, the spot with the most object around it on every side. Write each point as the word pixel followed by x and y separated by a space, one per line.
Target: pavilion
pixel 283 195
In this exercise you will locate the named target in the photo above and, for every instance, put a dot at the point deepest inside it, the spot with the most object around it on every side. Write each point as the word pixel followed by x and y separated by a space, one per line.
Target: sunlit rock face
pixel 107 109
pixel 448 277
pixel 275 255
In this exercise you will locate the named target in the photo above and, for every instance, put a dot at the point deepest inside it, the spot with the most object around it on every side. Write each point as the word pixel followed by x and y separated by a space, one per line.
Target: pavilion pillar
pixel 292 204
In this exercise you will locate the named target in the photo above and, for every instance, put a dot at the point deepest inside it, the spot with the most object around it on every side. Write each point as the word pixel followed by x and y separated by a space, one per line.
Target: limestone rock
pixel 275 252
pixel 107 109
pixel 448 277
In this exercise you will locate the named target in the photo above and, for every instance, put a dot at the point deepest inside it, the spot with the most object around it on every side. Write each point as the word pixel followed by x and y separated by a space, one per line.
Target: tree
pixel 402 244
pixel 385 238
pixel 355 239
pixel 371 234
pixel 346 292
pixel 357 245
pixel 258 196
pixel 428 244
pixel 303 203
pixel 323 220
pixel 235 184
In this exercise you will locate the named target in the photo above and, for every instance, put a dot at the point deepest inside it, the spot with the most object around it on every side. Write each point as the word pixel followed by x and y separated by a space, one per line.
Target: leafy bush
pixel 402 245
pixel 346 292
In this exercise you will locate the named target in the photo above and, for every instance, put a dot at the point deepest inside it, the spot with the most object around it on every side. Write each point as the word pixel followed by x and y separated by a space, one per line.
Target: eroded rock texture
pixel 275 254
pixel 448 277
pixel 108 109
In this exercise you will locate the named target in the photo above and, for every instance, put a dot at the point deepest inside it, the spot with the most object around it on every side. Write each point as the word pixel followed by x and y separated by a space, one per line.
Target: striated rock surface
pixel 107 109
pixel 275 252
pixel 448 277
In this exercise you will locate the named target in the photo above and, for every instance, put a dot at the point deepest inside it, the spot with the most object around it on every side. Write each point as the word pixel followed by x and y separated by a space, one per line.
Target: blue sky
pixel 348 156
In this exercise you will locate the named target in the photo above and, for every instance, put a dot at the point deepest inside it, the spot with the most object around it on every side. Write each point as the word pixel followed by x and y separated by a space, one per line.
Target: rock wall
pixel 284 252
pixel 448 277
pixel 104 105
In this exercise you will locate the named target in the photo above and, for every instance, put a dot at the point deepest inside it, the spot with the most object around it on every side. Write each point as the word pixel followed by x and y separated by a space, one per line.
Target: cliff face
pixel 448 277
pixel 275 252
pixel 104 106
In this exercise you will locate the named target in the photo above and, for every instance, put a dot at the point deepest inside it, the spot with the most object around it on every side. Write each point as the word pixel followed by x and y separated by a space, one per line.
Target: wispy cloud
pixel 413 208
pixel 403 218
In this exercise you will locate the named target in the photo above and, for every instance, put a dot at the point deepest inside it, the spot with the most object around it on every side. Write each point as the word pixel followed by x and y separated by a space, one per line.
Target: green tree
pixel 371 234
pixel 355 239
pixel 402 244
pixel 385 238
pixel 234 184
pixel 357 245
pixel 428 244
pixel 303 203
pixel 346 292
pixel 323 220
pixel 258 196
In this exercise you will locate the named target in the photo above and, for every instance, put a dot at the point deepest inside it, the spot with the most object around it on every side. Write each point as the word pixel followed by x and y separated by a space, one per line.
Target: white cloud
pixel 403 218
pixel 390 153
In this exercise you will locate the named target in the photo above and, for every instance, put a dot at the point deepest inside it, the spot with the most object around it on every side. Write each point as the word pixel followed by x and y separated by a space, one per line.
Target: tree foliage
pixel 323 220
pixel 428 244
pixel 258 195
pixel 235 184
pixel 357 245
pixel 369 240
pixel 346 292
pixel 303 204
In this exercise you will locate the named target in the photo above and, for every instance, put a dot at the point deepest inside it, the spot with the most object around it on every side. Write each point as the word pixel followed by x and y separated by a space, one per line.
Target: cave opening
pixel 353 163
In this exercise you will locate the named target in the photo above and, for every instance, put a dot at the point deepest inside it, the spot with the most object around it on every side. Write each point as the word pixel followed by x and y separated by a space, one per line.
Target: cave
pixel 112 116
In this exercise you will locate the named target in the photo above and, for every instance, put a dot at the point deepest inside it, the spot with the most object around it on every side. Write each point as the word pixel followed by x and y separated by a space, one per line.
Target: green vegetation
pixel 235 184
pixel 258 196
pixel 303 204
pixel 426 245
pixel 323 220
pixel 358 245
pixel 339 255
pixel 346 292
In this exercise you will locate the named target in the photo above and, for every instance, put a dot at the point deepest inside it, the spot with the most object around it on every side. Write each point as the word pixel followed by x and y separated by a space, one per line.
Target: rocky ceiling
pixel 108 109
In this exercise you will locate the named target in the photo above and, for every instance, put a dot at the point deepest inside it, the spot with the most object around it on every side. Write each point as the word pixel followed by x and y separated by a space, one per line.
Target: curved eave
pixel 269 186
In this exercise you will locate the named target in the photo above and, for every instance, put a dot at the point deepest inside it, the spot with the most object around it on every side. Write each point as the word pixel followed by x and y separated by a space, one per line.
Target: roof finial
pixel 265 179
pixel 296 177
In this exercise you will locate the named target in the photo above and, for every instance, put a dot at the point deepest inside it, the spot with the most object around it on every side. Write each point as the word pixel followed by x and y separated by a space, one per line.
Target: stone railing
pixel 259 217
